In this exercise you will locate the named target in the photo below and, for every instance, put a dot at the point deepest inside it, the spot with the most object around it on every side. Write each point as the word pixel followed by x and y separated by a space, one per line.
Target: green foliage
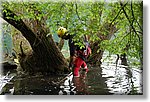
pixel 90 18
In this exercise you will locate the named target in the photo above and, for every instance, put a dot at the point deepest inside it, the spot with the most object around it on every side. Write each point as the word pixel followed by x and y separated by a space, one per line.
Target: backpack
pixel 84 53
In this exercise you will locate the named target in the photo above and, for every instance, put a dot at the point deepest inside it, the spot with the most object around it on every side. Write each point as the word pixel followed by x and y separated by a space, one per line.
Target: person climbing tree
pixel 64 34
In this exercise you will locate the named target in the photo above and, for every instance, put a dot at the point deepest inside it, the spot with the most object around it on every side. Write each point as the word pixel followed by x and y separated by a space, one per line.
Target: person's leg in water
pixel 77 64
pixel 84 66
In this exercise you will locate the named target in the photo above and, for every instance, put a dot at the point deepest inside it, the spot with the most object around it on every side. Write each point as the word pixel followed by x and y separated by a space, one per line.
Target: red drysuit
pixel 80 61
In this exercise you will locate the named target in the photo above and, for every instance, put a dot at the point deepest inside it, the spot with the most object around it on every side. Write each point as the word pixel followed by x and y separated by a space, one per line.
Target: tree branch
pixel 117 14
pixel 78 15
pixel 22 52
pixel 129 20
pixel 134 17
pixel 9 16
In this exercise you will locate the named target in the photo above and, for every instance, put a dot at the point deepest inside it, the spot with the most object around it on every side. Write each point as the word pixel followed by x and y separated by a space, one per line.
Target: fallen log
pixel 58 83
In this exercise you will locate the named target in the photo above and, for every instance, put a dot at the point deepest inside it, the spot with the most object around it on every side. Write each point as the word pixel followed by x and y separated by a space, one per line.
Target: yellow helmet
pixel 61 31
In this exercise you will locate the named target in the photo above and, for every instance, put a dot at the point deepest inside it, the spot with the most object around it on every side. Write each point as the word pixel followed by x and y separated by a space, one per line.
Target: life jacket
pixel 84 53
pixel 88 51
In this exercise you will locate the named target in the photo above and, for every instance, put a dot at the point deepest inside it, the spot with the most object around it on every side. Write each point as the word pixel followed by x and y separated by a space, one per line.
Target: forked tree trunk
pixel 95 58
pixel 45 55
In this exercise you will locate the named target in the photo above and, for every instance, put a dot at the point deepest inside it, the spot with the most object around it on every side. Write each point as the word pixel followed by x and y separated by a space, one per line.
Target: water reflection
pixel 104 80
pixel 87 84
pixel 5 79
pixel 67 88
pixel 81 84
pixel 77 85
pixel 36 85
pixel 122 80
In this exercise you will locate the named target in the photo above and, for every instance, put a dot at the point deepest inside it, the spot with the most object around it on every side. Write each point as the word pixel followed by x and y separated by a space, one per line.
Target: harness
pixel 83 54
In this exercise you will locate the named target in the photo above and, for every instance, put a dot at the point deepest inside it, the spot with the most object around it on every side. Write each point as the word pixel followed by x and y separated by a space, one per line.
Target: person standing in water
pixel 80 61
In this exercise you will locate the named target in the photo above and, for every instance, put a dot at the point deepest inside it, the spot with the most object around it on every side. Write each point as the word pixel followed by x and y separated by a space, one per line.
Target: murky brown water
pixel 104 80
pixel 98 81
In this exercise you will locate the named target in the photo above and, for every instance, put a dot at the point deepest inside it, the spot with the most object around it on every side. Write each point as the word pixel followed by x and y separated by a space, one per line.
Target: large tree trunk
pixel 95 58
pixel 45 55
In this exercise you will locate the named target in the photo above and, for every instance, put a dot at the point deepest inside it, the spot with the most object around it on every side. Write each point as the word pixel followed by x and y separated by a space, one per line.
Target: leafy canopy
pixel 90 18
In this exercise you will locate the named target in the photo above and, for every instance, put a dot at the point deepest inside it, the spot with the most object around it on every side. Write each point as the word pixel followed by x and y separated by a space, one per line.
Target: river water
pixel 107 79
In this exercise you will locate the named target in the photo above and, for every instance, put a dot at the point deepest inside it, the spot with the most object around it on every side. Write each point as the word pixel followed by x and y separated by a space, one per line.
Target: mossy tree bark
pixel 45 55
